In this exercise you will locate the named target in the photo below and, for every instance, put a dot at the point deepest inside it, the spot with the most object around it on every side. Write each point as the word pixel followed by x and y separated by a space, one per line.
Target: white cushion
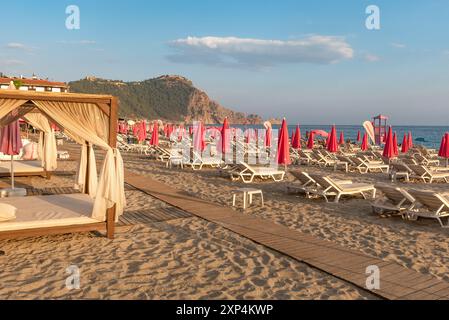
pixel 7 212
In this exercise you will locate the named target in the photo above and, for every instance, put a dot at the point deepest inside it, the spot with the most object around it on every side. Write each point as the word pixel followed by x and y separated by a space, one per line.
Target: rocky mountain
pixel 172 98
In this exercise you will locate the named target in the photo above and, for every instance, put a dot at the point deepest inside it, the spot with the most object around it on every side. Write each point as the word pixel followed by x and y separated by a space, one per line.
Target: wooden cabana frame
pixel 109 106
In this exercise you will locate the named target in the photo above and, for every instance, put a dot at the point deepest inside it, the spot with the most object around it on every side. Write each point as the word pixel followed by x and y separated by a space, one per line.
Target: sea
pixel 429 136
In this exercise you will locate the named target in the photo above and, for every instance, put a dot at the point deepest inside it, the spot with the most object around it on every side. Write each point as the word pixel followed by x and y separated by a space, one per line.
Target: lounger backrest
pixel 247 166
pixel 303 177
pixel 401 167
pixel 395 194
pixel 323 181
pixel 419 170
pixel 430 199
pixel 357 161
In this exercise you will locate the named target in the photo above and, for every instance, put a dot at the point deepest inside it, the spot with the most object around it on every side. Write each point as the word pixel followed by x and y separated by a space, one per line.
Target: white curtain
pixel 47 141
pixel 87 122
pixel 8 105
pixel 82 171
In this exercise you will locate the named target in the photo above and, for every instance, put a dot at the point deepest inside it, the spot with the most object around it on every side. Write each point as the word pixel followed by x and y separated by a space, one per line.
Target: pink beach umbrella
pixel 296 142
pixel 444 148
pixel 155 135
pixel 332 143
pixel 283 152
pixel 224 146
pixel 342 138
pixel 198 137
pixel 268 135
pixel 365 142
pixel 395 145
pixel 410 140
pixel 389 148
pixel 310 141
pixel 358 136
pixel 404 148
pixel 11 143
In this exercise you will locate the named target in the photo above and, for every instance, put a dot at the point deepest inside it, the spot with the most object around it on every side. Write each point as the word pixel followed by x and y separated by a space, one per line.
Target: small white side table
pixel 248 194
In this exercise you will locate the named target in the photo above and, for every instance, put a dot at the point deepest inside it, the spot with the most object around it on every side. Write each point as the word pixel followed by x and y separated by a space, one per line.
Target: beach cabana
pixel 89 120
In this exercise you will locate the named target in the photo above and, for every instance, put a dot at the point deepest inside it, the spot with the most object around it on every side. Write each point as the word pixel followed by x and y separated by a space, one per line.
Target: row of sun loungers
pixel 410 204
pixel 327 187
pixel 413 204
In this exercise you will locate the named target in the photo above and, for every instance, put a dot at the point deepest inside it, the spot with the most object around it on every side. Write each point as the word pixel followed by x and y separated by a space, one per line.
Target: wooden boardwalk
pixel 151 215
pixel 396 281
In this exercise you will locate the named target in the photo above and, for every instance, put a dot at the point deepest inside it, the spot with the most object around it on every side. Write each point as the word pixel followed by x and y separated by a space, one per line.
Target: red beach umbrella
pixel 198 137
pixel 296 142
pixel 404 148
pixel 389 148
pixel 268 135
pixel 283 152
pixel 365 142
pixel 358 136
pixel 342 138
pixel 395 145
pixel 310 141
pixel 332 144
pixel 410 140
pixel 444 148
pixel 11 143
pixel 155 136
pixel 224 143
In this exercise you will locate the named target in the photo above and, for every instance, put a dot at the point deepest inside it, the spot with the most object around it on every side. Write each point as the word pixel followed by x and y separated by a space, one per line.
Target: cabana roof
pixel 55 96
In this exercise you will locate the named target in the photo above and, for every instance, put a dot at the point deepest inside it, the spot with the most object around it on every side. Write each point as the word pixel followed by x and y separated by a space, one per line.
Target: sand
pixel 185 258
pixel 420 245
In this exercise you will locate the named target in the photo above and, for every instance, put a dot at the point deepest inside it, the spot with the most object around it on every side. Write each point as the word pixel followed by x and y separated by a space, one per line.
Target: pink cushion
pixel 30 151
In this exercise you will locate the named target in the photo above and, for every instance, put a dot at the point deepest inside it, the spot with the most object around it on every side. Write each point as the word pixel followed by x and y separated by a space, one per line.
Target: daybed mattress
pixel 49 211
pixel 21 166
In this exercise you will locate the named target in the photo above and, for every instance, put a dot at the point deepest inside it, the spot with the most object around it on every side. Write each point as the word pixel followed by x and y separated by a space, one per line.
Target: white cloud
pixel 11 62
pixel 398 45
pixel 258 53
pixel 18 46
pixel 79 42
pixel 371 58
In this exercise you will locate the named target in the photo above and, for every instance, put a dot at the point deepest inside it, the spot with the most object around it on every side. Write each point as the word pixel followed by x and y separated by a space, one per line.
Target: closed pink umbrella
pixel 358 136
pixel 365 142
pixel 199 144
pixel 389 148
pixel 342 138
pixel 283 152
pixel 310 141
pixel 410 140
pixel 296 142
pixel 268 136
pixel 11 143
pixel 395 145
pixel 332 145
pixel 224 146
pixel 404 147
pixel 155 135
pixel 444 148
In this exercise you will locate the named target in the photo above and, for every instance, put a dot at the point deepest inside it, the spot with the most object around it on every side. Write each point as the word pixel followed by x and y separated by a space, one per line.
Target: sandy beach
pixel 418 245
pixel 179 259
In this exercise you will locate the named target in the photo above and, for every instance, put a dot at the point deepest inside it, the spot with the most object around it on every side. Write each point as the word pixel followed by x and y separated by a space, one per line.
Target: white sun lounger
pixel 330 187
pixel 249 173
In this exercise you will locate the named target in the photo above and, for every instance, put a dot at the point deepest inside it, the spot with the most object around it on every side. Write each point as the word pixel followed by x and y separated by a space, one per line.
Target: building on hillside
pixel 34 84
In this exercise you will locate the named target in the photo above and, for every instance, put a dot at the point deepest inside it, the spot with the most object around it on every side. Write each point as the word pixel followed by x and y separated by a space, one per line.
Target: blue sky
pixel 323 66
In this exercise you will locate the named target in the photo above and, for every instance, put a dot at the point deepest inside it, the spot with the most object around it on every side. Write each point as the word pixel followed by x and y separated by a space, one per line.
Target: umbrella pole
pixel 12 172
